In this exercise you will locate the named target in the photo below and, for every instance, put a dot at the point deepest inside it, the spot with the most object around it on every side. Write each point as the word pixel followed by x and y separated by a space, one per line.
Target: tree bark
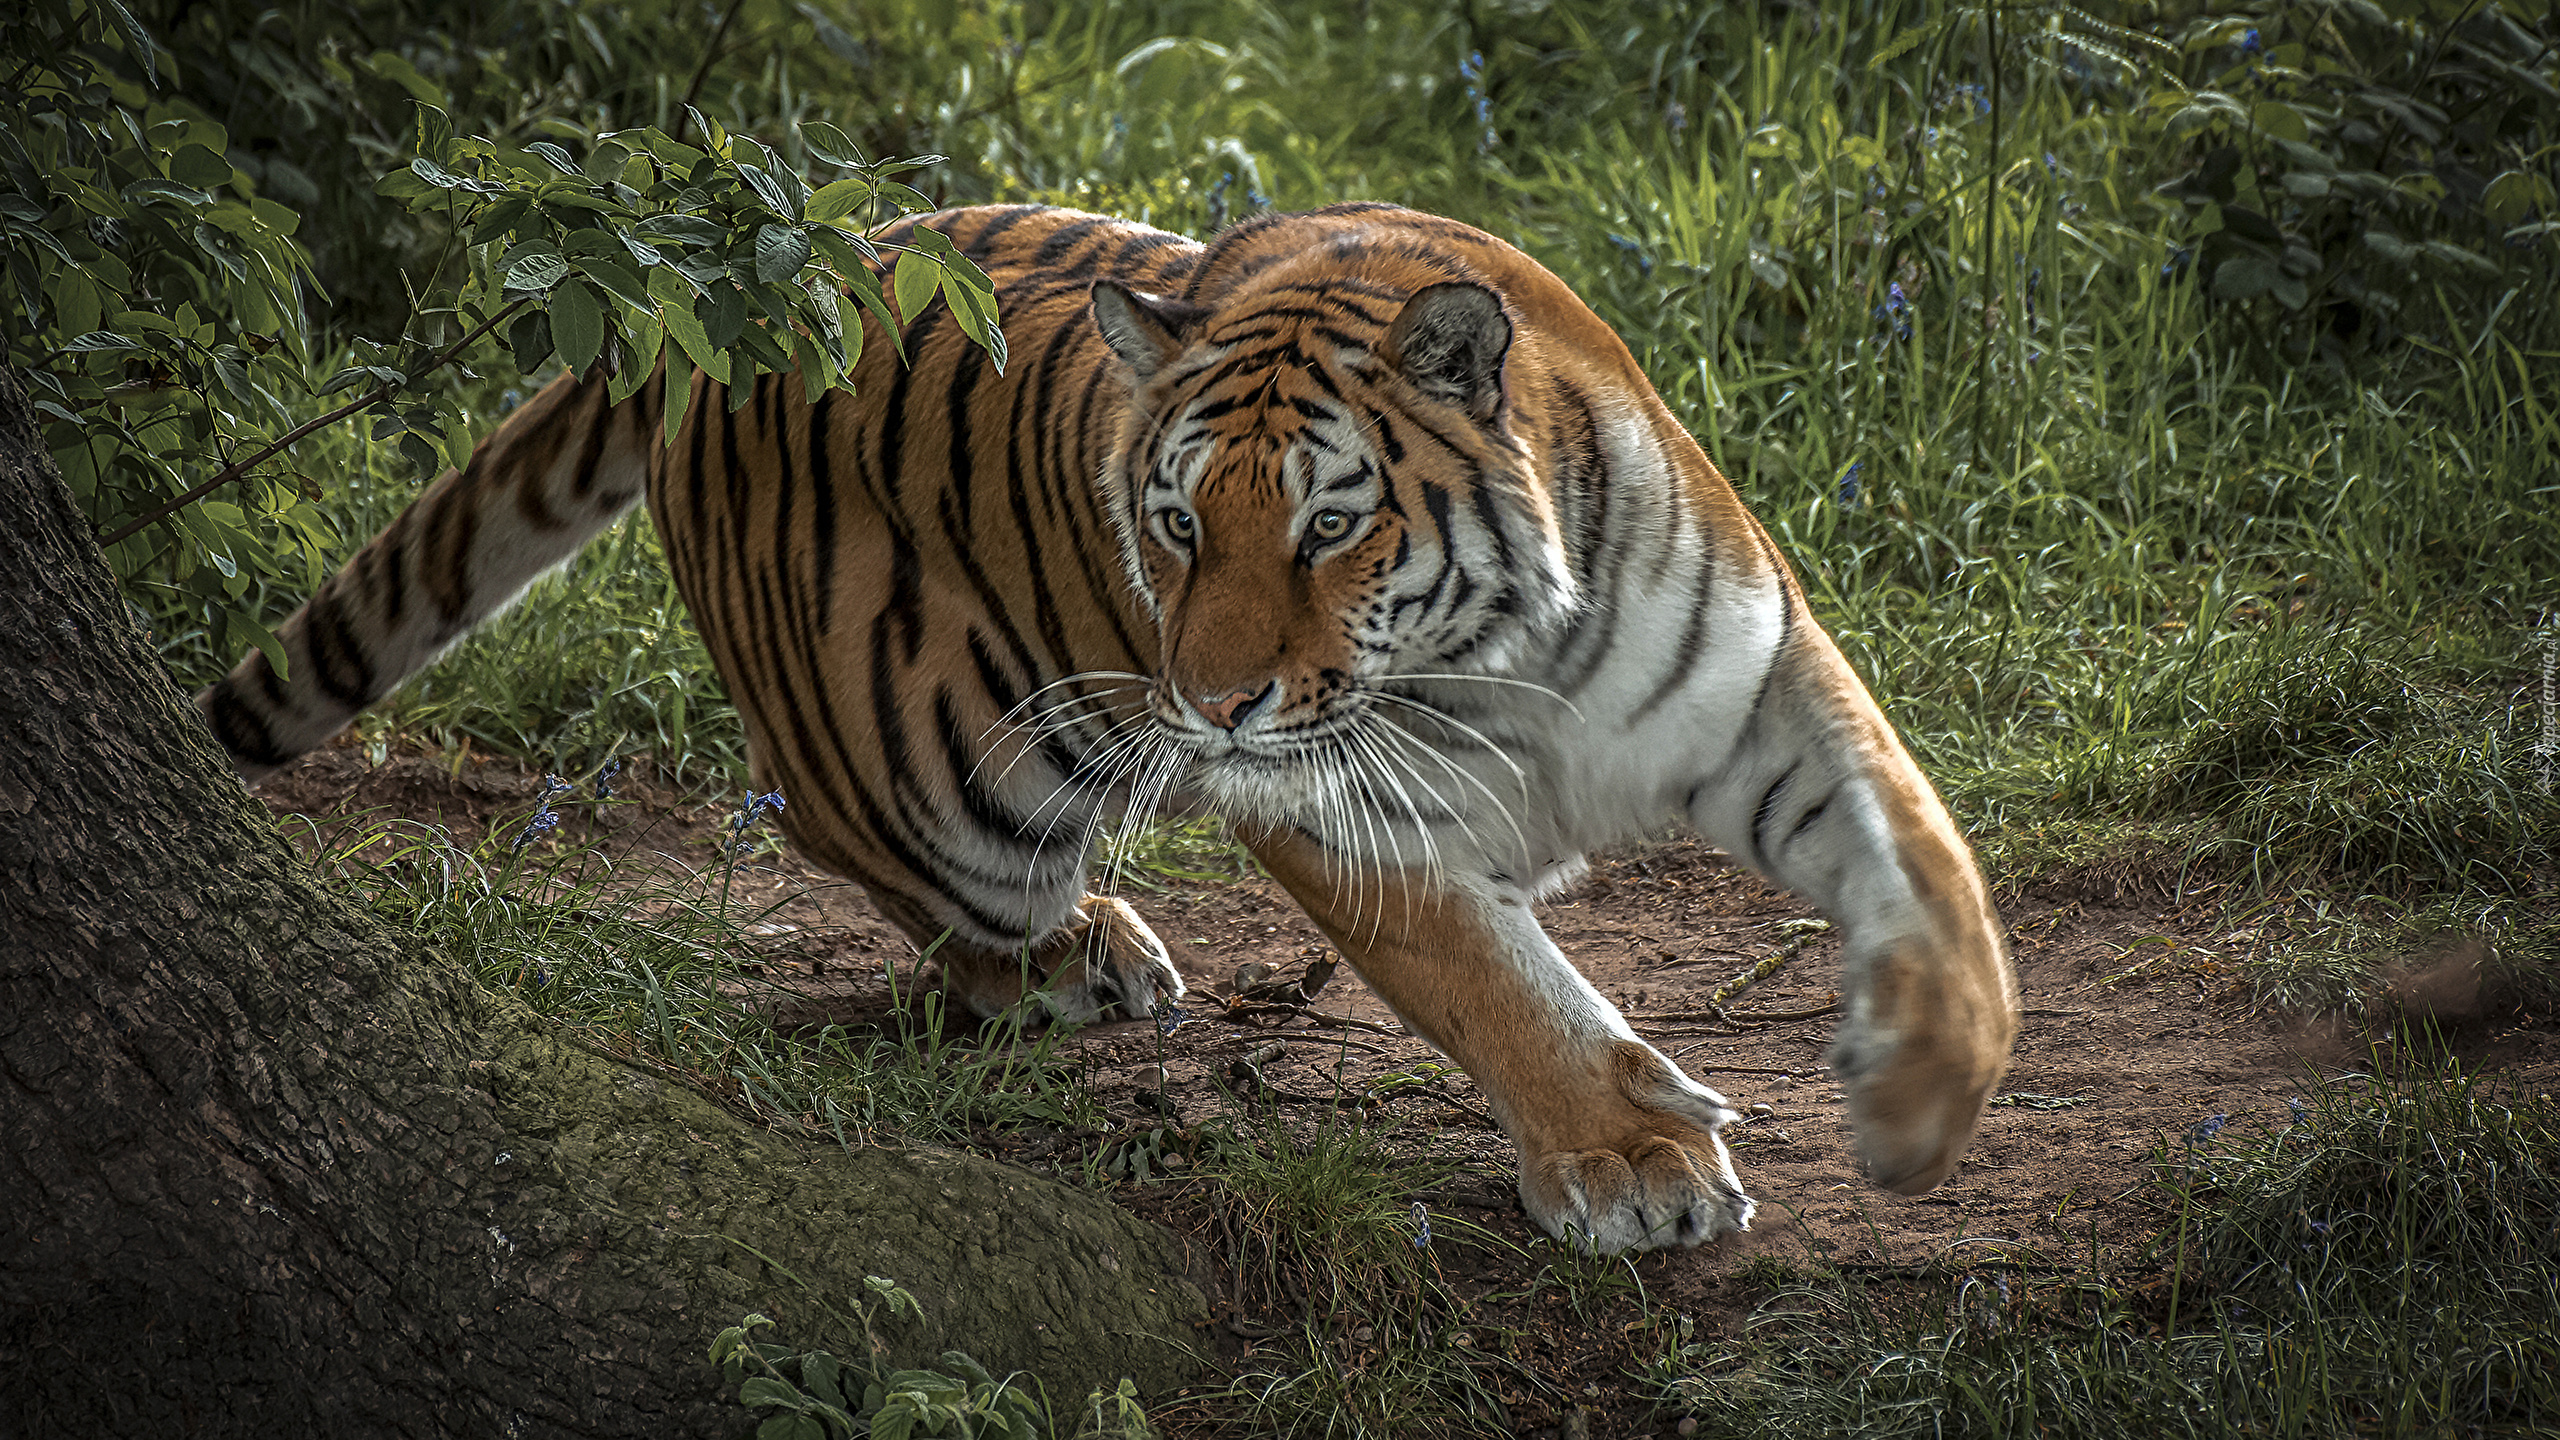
pixel 268 1168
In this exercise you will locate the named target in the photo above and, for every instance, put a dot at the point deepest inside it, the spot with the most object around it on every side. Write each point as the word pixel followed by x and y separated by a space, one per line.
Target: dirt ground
pixel 2135 1030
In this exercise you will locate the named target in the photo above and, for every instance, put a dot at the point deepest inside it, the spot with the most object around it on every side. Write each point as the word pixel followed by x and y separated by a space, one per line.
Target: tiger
pixel 1356 527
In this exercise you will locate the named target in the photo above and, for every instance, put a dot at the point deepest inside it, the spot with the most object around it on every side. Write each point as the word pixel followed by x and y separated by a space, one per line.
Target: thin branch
pixel 237 469
pixel 702 72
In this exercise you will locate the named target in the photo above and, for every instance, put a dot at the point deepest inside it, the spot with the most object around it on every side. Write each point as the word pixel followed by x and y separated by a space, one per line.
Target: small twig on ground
pixel 1246 1010
pixel 1328 1041
pixel 1737 1017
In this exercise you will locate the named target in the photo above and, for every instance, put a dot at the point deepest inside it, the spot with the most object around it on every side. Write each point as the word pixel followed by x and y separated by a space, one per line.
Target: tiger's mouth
pixel 1351 773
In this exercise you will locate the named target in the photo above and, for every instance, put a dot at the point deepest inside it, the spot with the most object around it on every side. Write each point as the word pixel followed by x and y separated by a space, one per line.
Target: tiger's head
pixel 1319 485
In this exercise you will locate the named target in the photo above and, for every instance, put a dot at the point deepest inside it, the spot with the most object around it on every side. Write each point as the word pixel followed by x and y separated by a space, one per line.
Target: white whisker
pixel 1574 709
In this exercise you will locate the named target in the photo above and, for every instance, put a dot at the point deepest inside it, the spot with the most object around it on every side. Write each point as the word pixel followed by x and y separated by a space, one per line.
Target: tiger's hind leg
pixel 1104 961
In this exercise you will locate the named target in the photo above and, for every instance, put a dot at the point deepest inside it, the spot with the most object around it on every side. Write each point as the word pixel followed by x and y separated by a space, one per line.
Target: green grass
pixel 634 958
pixel 2383 1261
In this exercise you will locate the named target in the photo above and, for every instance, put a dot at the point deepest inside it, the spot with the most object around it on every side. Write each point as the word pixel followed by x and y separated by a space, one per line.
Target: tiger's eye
pixel 1180 524
pixel 1330 524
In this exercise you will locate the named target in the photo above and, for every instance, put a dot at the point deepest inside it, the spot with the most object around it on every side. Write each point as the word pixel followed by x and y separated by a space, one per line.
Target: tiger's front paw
pixel 1640 1169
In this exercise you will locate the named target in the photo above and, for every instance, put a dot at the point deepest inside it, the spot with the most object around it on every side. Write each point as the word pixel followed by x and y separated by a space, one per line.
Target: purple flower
pixel 756 808
pixel 545 819
pixel 2206 1129
pixel 1421 1226
pixel 1895 314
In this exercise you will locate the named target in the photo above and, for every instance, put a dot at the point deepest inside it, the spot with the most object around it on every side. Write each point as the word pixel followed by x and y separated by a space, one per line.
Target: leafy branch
pixel 380 394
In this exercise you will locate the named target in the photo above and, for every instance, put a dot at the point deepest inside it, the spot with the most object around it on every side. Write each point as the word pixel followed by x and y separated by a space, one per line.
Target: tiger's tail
pixel 560 471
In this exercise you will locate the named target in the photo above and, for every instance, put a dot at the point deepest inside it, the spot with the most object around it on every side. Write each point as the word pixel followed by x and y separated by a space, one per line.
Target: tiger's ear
pixel 1450 341
pixel 1145 331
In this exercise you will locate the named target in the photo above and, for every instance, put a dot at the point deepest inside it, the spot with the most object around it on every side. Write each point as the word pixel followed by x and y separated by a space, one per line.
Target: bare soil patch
pixel 2135 1032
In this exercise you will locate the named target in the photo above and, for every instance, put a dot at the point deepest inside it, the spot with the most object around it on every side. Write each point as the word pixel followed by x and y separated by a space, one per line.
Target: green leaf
pixel 246 626
pixel 150 188
pixel 529 338
pixel 818 1371
pixel 830 144
pixel 99 340
pixel 683 229
pixel 433 173
pixel 840 198
pixel 679 391
pixel 402 184
pixel 918 276
pixel 765 1390
pixel 137 42
pixel 2245 278
pixel 577 324
pixel 430 129
pixel 535 270
pixel 639 357
pixel 686 327
pixel 501 218
pixel 781 251
pixel 2280 120
pixel 196 166
pixel 975 304
pixel 865 288
pixel 558 157
pixel 609 272
pixel 767 191
pixel 724 314
pixel 642 251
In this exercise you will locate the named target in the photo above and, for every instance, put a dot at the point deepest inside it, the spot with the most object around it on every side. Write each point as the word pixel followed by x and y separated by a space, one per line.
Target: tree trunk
pixel 271 1169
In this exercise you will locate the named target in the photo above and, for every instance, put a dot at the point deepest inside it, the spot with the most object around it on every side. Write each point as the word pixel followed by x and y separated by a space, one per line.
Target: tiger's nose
pixel 1224 711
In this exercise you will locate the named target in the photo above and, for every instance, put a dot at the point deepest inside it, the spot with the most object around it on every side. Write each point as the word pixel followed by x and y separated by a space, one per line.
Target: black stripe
pixel 240 728
pixel 337 654
pixel 1768 808
pixel 1692 637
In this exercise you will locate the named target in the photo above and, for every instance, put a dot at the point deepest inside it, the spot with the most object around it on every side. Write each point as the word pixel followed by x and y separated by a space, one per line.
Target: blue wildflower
pixel 2249 43
pixel 1676 116
pixel 545 819
pixel 605 779
pixel 1168 1020
pixel 2206 1129
pixel 1849 482
pixel 1895 313
pixel 1473 65
pixel 2296 1111
pixel 1421 1226
pixel 1644 262
pixel 756 808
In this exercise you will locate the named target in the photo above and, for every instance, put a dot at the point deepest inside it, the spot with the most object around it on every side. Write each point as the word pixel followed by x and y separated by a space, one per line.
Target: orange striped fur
pixel 1357 527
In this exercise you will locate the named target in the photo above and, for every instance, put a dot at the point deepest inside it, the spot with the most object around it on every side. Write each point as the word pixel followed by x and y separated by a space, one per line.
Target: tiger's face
pixel 1318 489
